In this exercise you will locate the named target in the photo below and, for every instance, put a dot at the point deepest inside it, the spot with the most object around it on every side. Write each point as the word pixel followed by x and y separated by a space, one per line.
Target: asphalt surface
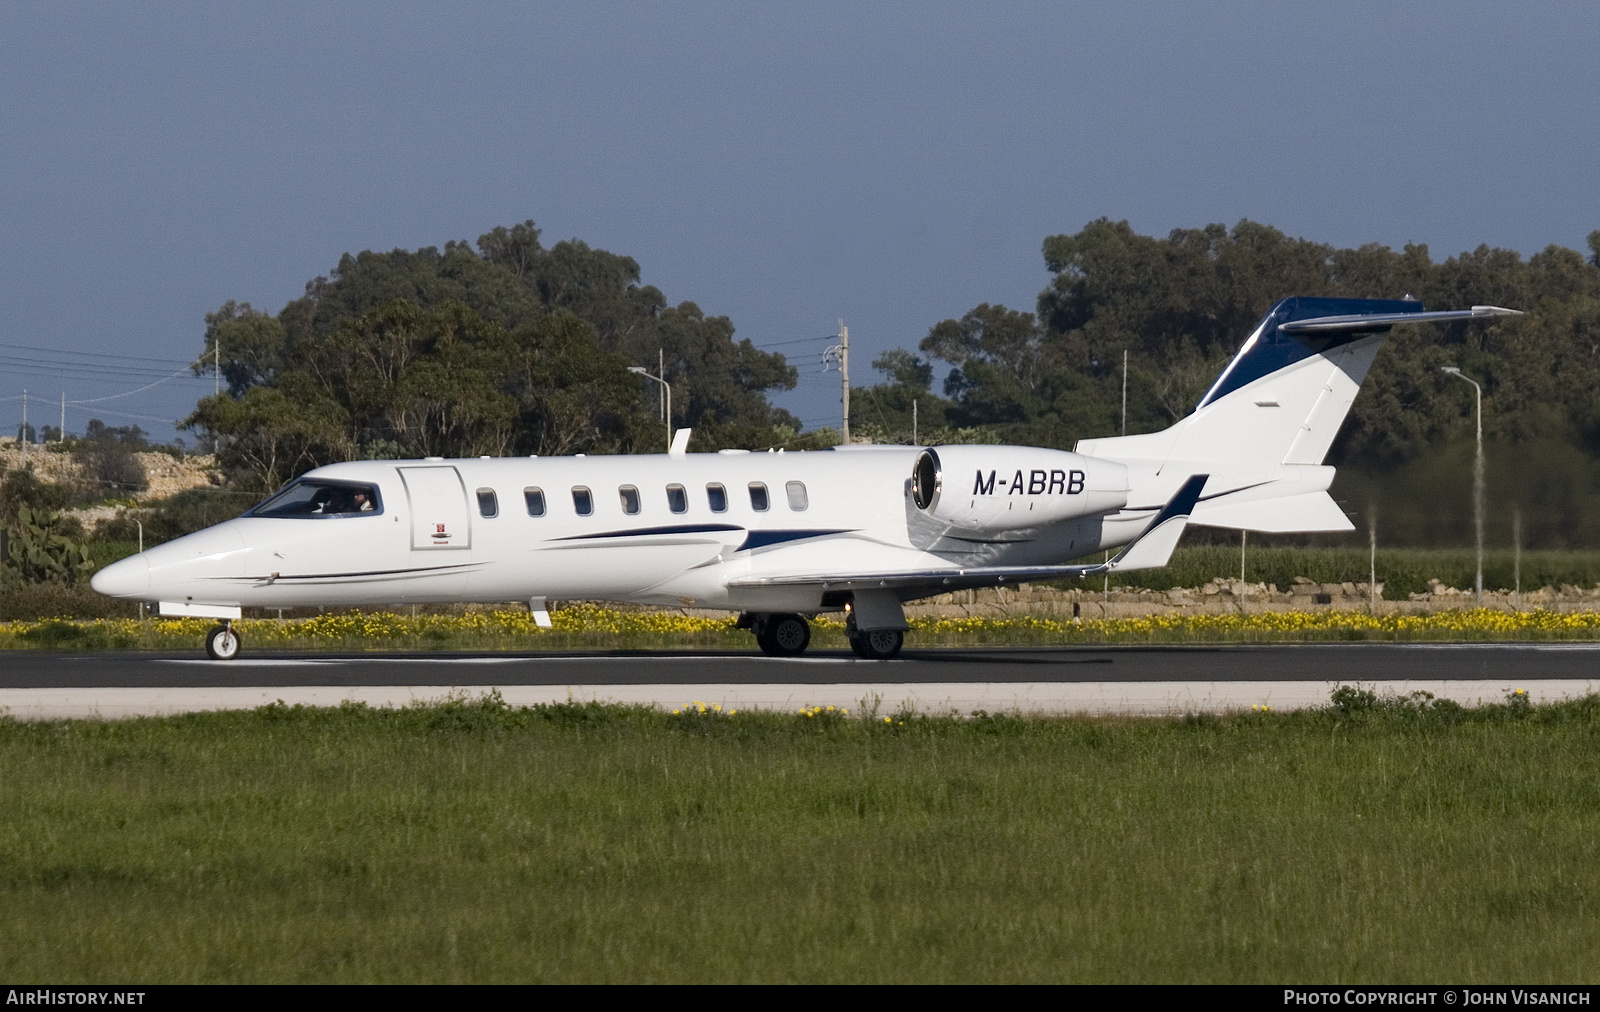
pixel 1363 662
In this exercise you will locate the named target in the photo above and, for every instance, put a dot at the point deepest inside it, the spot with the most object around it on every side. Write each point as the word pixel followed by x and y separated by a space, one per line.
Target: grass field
pixel 470 842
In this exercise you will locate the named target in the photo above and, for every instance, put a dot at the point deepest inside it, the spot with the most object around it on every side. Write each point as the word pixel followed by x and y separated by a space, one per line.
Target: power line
pixel 86 370
pixel 130 393
pixel 798 340
pixel 92 354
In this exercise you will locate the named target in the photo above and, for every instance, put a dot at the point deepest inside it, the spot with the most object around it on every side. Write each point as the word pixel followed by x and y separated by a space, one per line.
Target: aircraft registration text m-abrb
pixel 1056 482
pixel 782 536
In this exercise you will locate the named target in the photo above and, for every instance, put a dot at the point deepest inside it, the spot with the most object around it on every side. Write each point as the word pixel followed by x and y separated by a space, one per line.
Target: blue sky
pixel 785 165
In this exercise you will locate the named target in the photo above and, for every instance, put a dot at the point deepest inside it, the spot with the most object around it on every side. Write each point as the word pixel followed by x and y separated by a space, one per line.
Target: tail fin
pixel 1266 424
pixel 1285 394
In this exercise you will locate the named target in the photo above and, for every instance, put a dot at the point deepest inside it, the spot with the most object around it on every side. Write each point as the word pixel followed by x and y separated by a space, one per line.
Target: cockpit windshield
pixel 311 498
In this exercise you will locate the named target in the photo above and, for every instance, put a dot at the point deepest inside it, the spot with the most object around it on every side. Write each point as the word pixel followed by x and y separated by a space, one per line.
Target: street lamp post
pixel 642 371
pixel 1477 476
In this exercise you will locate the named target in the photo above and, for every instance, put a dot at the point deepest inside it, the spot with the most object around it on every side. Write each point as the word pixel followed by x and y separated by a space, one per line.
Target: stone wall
pixel 1224 596
pixel 166 475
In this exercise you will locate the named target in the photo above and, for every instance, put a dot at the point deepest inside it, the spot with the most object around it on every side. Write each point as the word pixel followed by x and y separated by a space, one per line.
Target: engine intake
pixel 1013 487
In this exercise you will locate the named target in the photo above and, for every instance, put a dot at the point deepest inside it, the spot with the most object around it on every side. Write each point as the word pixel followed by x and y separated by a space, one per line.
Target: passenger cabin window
pixel 630 499
pixel 488 503
pixel 582 500
pixel 797 495
pixel 677 499
pixel 758 497
pixel 717 497
pixel 534 497
pixel 309 497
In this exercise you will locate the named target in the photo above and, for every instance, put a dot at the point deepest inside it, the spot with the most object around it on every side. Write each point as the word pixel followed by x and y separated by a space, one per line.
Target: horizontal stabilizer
pixel 1375 321
pixel 1307 513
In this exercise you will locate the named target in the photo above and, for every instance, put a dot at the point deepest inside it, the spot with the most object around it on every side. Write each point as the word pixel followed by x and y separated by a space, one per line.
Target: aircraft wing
pixel 1150 550
pixel 1374 321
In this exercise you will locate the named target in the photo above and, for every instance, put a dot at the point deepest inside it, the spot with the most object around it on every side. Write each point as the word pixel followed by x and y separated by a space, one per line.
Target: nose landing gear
pixel 222 642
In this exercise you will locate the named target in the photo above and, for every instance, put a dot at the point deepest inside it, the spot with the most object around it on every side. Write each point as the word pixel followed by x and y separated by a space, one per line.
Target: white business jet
pixel 781 536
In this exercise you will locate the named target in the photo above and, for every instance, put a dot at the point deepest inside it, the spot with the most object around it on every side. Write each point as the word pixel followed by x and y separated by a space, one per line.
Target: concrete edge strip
pixel 1154 699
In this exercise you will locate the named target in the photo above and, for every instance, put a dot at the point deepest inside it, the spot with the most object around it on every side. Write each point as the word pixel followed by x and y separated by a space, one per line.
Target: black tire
pixel 783 635
pixel 222 643
pixel 878 645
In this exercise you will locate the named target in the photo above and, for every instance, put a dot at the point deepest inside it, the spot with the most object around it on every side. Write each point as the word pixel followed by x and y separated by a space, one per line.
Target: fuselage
pixel 652 529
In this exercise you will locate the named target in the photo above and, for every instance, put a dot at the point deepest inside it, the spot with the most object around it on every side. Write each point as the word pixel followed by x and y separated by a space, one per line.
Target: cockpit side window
pixel 311 498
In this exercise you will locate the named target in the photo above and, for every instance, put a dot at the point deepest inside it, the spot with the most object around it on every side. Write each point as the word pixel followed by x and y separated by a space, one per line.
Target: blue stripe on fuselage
pixel 761 539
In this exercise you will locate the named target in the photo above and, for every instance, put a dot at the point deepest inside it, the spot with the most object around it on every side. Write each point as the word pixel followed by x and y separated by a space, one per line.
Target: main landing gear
pixel 788 635
pixel 877 645
pixel 222 642
pixel 781 635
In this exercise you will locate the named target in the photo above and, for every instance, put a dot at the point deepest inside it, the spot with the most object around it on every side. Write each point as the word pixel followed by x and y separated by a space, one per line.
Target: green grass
pixel 470 842
pixel 1402 571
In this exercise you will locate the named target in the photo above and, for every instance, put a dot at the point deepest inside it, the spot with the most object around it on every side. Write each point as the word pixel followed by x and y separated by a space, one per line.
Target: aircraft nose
pixel 128 578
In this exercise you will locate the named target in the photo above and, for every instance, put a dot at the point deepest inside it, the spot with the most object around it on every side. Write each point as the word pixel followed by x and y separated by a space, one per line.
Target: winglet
pixel 1153 548
pixel 680 443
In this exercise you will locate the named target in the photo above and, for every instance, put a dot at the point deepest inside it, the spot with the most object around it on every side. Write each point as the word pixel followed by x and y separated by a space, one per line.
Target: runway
pixel 1151 680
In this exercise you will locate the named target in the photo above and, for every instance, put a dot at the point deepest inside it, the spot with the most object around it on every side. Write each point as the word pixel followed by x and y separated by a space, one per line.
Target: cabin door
pixel 440 520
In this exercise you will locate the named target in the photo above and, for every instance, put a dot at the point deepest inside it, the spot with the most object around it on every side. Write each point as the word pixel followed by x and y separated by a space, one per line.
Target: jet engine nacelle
pixel 1004 488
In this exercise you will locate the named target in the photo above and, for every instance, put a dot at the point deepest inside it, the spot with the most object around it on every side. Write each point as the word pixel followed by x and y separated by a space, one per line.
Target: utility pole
pixel 216 368
pixel 844 377
pixel 1125 396
pixel 661 400
pixel 62 436
pixel 22 436
pixel 1516 551
pixel 1477 478
pixel 1372 561
pixel 840 353
pixel 914 441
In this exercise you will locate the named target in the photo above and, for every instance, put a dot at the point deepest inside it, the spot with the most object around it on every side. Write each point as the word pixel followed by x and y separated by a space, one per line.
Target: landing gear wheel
pixel 878 645
pixel 782 635
pixel 222 643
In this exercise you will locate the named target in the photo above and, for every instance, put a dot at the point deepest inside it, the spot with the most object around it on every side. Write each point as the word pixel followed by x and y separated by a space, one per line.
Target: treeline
pixel 503 347
pixel 506 346
pixel 1179 307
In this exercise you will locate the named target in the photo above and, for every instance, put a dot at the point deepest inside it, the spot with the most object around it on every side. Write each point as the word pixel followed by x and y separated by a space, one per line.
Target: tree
pixel 509 346
pixel 107 455
pixel 253 346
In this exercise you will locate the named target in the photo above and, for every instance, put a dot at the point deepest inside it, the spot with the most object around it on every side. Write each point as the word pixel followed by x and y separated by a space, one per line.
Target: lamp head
pixel 637 368
pixel 1452 369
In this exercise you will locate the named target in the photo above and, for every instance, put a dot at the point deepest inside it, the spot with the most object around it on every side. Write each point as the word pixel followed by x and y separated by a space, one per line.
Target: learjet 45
pixel 779 537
